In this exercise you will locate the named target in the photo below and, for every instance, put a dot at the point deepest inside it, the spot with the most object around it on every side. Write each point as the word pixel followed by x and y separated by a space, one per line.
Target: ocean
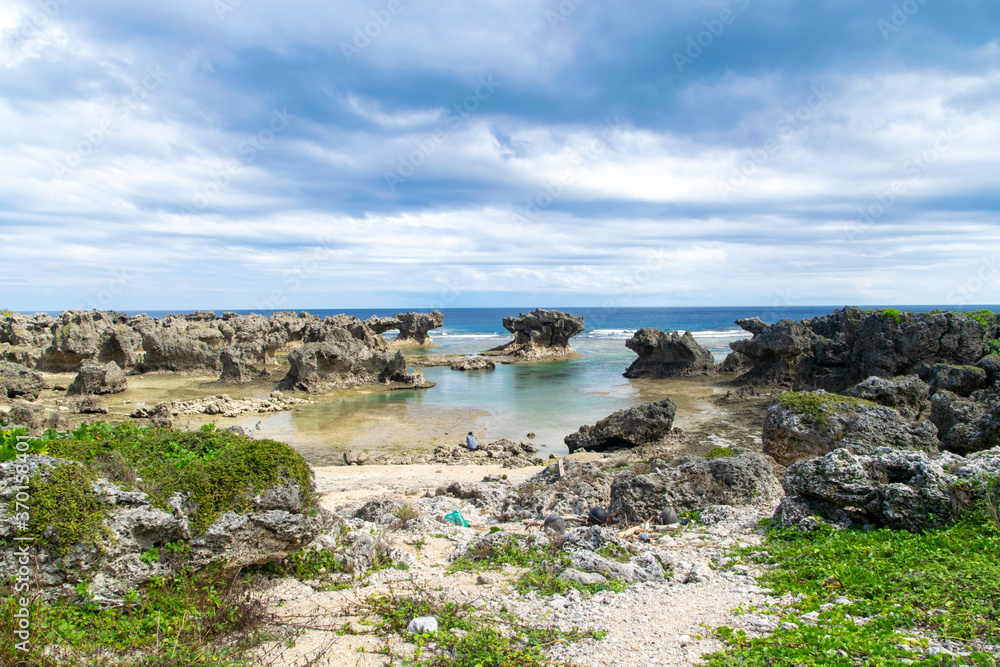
pixel 549 399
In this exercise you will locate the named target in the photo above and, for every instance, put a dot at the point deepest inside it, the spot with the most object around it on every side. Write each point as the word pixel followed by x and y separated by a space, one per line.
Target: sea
pixel 548 399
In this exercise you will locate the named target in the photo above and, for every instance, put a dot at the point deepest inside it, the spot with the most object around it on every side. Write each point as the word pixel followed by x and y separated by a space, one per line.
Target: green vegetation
pixel 547 582
pixel 983 316
pixel 513 550
pixel 720 452
pixel 992 346
pixel 65 509
pixel 220 470
pixel 613 551
pixel 406 512
pixel 892 313
pixel 465 637
pixel 9 442
pixel 903 588
pixel 196 620
pixel 819 407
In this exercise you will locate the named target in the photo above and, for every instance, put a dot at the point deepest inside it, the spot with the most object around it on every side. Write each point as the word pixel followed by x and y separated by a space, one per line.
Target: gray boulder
pixel 474 364
pixel 89 404
pixel 539 334
pixel 663 354
pixel 626 428
pixel 895 489
pixel 693 483
pixel 97 378
pixel 16 381
pixel 909 396
pixel 237 368
pixel 967 425
pixel 414 327
pixel 991 364
pixel 808 424
pixel 774 352
pixel 961 380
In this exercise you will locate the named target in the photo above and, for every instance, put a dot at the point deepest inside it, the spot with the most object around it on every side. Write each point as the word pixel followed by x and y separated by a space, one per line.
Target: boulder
pixel 991 364
pixel 775 350
pixel 539 334
pixel 413 328
pixel 663 354
pixel 16 381
pixel 961 380
pixel 237 368
pixel 97 378
pixel 894 489
pixel 909 396
pixel 693 483
pixel 571 490
pixel 89 404
pixel 735 362
pixel 626 428
pixel 808 424
pixel 474 364
pixel 965 424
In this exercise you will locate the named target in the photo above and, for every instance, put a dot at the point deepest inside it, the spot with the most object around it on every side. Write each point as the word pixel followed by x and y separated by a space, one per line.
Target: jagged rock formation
pixel 692 483
pixel 896 489
pixel 663 354
pixel 474 364
pixel 809 424
pixel 839 350
pixel 97 378
pixel 626 428
pixel 413 327
pixel 909 396
pixel 342 351
pixel 16 381
pixel 537 335
pixel 237 368
pixel 967 425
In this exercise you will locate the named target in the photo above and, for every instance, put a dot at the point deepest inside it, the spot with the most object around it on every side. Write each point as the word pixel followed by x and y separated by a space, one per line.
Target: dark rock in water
pixel 474 364
pixel 96 378
pixel 807 424
pixel 909 396
pixel 626 428
pixel 895 489
pixel 692 483
pixel 598 516
pixel 161 416
pixel 16 381
pixel 237 368
pixel 413 328
pixel 961 380
pixel 539 334
pixel 555 524
pixel 663 354
pixel 91 405
pixel 966 424
pixel 839 350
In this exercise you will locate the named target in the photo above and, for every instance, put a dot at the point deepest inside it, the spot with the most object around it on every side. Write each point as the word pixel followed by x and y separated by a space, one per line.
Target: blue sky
pixel 305 154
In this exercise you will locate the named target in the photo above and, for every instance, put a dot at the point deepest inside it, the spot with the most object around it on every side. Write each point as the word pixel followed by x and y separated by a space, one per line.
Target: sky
pixel 243 154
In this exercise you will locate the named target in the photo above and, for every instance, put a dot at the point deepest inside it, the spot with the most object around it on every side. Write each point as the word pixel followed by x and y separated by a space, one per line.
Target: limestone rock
pixel 413 328
pixel 539 334
pixel 237 368
pixel 961 380
pixel 663 354
pixel 16 381
pixel 91 405
pixel 626 428
pixel 97 378
pixel 809 424
pixel 967 425
pixel 909 396
pixel 474 364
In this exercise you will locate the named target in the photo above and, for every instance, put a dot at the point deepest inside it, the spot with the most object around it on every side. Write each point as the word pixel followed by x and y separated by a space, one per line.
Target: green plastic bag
pixel 457 519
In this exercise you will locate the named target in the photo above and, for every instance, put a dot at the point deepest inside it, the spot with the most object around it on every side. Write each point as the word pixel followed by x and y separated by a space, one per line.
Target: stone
pixel 991 365
pixel 474 364
pixel 966 425
pixel 16 381
pixel 91 405
pixel 961 380
pixel 537 335
pixel 909 396
pixel 97 378
pixel 237 368
pixel 693 483
pixel 807 424
pixel 663 354
pixel 632 427
pixel 413 328
pixel 554 524
pixel 699 574
pixel 355 457
pixel 582 578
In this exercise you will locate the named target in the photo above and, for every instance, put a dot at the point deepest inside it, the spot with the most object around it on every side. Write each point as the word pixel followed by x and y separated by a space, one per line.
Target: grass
pixel 904 588
pixel 406 512
pixel 546 582
pixel 820 407
pixel 513 550
pixel 465 637
pixel 720 452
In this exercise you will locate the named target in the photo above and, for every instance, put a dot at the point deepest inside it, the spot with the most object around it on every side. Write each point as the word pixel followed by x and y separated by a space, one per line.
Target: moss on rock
pixel 819 406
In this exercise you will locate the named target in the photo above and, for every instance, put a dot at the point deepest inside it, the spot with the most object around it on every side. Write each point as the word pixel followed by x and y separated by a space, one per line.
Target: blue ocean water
pixel 549 399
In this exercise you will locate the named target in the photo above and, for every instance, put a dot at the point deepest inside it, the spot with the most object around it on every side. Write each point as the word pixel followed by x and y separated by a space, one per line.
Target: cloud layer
pixel 240 154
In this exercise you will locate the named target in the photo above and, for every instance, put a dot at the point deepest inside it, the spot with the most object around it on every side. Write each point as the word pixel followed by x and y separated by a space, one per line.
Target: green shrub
pixel 992 346
pixel 984 317
pixel 893 314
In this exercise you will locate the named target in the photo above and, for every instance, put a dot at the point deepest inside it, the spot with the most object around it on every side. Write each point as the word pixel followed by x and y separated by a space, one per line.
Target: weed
pixel 992 346
pixel 984 317
pixel 893 314
pixel 406 512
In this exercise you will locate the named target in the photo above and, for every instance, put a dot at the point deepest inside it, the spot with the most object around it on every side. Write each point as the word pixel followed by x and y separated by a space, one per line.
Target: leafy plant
pixel 11 445
pixel 992 346
pixel 893 314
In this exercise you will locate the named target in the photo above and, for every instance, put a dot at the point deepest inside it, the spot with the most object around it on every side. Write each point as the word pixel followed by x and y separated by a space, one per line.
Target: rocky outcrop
pixel 663 354
pixel 505 452
pixel 224 406
pixel 961 380
pixel 839 350
pixel 97 378
pixel 16 381
pixel 344 352
pixel 572 488
pixel 91 405
pixel 474 364
pixel 537 335
pixel 991 365
pixel 967 424
pixel 413 328
pixel 238 369
pixel 909 396
pixel 692 483
pixel 895 489
pixel 809 424
pixel 626 428
pixel 124 526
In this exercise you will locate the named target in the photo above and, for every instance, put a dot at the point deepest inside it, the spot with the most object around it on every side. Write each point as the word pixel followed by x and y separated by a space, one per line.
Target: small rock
pixel 554 524
pixel 684 640
pixel 487 579
pixel 788 626
pixel 422 625
pixel 700 573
